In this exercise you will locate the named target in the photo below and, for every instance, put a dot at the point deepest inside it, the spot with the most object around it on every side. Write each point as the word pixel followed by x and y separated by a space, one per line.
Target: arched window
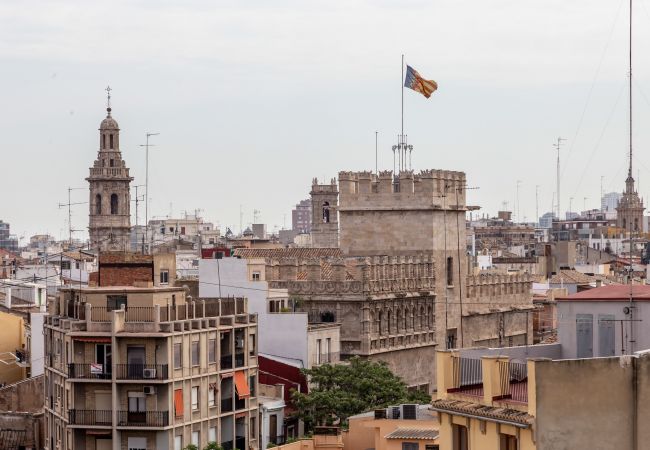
pixel 98 204
pixel 388 322
pixel 326 212
pixel 111 140
pixel 422 318
pixel 624 223
pixel 406 319
pixel 381 323
pixel 113 203
pixel 103 141
pixel 398 324
pixel 430 317
pixel 636 224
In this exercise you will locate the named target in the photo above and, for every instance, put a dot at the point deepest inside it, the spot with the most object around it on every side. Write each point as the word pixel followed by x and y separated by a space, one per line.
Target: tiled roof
pixel 489 412
pixel 571 277
pixel 413 433
pixel 611 293
pixel 286 252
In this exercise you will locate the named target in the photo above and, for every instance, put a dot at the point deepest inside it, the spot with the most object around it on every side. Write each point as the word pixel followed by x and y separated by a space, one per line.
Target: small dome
pixel 109 123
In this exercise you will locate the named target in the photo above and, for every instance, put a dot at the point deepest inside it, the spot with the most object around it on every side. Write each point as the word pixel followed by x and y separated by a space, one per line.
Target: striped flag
pixel 414 81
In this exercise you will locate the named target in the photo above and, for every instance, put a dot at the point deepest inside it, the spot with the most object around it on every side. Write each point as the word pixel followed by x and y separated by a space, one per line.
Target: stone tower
pixel 109 223
pixel 629 212
pixel 324 214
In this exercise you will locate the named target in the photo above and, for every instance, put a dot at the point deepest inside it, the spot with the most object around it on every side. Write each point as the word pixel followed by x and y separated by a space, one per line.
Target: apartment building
pixel 148 367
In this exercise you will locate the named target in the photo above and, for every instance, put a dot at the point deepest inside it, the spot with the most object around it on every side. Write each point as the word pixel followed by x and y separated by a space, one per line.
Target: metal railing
pixel 514 380
pixel 90 371
pixel 142 371
pixel 468 375
pixel 22 356
pixel 142 418
pixel 89 417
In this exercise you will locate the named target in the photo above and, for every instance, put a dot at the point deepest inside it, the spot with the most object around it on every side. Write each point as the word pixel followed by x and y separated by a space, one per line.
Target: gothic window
pixel 98 204
pixel 388 323
pixel 399 319
pixel 422 318
pixel 326 212
pixel 381 323
pixel 636 224
pixel 111 162
pixel 430 317
pixel 111 140
pixel 113 203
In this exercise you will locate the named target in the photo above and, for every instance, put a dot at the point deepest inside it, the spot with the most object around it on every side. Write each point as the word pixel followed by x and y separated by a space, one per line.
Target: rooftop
pixel 610 293
pixel 566 276
pixel 413 433
pixel 286 252
pixel 491 412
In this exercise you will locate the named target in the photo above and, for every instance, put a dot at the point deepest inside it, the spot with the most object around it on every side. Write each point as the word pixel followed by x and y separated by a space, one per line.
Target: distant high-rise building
pixel 7 241
pixel 546 221
pixel 609 201
pixel 301 217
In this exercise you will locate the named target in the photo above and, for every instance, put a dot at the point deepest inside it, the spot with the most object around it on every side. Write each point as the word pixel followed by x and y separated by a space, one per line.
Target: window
pixel 114 302
pixel 113 203
pixel 459 437
pixel 111 162
pixel 178 362
pixel 103 141
pixel 111 140
pixel 137 402
pixel 195 353
pixel 178 442
pixel 164 276
pixel 137 443
pixel 256 276
pixel 251 344
pixel 251 385
pixel 98 204
pixel 326 212
pixel 65 265
pixel 195 438
pixel 328 349
pixel 318 351
pixel 450 271
pixel 182 230
pixel 211 396
pixel 212 351
pixel 212 434
pixel 253 429
pixel 195 398
pixel 431 447
pixel 410 446
pixel 507 442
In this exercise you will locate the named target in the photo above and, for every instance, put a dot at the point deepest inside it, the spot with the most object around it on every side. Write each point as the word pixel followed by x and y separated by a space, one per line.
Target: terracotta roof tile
pixel 286 252
pixel 571 277
pixel 413 433
pixel 612 293
pixel 489 412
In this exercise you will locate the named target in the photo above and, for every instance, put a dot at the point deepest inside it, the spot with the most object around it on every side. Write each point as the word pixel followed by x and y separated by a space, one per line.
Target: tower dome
pixel 109 123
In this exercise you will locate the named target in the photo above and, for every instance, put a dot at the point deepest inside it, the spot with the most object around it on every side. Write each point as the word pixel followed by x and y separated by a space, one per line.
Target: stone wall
pixel 24 396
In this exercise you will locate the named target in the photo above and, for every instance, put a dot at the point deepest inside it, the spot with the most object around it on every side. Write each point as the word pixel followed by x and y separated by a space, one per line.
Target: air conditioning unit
pixel 393 412
pixel 149 390
pixel 409 412
pixel 149 373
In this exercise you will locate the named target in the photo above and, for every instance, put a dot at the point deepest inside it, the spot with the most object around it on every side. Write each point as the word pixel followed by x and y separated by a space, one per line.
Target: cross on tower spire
pixel 108 99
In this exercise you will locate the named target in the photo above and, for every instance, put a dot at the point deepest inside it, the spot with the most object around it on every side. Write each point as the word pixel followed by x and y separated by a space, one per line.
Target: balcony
pixel 142 418
pixel 240 403
pixel 22 357
pixel 141 371
pixel 89 371
pixel 89 417
pixel 239 360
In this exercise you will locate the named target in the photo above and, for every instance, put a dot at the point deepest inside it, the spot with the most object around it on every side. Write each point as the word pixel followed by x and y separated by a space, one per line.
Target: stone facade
pixel 629 212
pixel 324 214
pixel 110 200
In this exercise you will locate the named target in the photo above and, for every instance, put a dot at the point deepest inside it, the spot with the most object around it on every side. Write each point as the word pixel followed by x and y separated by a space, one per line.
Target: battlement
pixel 444 188
pixel 502 286
pixel 352 274
pixel 330 188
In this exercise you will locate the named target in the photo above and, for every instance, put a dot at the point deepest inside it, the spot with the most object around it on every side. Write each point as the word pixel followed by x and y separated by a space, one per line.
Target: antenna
pixel 69 205
pixel 146 188
pixel 557 146
pixel 537 203
pixel 376 154
pixel 517 201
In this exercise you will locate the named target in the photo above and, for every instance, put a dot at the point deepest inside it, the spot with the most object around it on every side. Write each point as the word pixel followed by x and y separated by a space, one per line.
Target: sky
pixel 254 99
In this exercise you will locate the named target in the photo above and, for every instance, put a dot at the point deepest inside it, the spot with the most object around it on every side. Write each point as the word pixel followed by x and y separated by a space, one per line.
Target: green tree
pixel 213 446
pixel 342 390
pixel 190 447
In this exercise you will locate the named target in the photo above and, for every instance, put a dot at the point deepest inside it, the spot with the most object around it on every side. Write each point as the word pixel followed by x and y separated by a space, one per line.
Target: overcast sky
pixel 253 99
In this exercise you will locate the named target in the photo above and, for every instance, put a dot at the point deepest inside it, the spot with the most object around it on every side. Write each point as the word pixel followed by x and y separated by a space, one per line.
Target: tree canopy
pixel 342 390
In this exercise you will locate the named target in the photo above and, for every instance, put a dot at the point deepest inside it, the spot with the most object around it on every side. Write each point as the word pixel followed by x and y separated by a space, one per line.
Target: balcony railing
pixel 514 381
pixel 226 404
pixel 89 417
pixel 142 418
pixel 89 371
pixel 141 371
pixel 468 376
pixel 22 356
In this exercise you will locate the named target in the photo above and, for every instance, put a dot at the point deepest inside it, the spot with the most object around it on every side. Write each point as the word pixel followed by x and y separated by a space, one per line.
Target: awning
pixel 241 384
pixel 178 402
pixel 98 340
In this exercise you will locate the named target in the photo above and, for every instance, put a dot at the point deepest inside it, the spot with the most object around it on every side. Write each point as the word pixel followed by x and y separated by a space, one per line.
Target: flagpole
pixel 402 83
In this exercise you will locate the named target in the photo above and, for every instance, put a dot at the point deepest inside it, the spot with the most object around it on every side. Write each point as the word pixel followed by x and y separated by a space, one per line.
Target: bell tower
pixel 324 214
pixel 109 223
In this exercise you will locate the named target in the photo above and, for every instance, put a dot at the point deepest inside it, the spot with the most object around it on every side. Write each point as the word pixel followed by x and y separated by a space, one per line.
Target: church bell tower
pixel 109 224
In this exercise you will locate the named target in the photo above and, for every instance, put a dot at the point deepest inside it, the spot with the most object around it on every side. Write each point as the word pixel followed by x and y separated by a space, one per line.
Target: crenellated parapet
pixel 485 286
pixel 405 189
pixel 380 274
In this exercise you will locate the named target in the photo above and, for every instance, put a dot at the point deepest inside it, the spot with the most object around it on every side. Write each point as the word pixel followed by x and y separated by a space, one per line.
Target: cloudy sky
pixel 253 99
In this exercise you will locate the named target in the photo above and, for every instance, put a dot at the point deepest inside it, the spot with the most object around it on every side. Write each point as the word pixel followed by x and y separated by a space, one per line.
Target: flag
pixel 414 81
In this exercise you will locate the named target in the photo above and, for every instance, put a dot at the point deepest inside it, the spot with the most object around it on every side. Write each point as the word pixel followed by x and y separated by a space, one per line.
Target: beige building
pixel 110 199
pixel 503 402
pixel 143 367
